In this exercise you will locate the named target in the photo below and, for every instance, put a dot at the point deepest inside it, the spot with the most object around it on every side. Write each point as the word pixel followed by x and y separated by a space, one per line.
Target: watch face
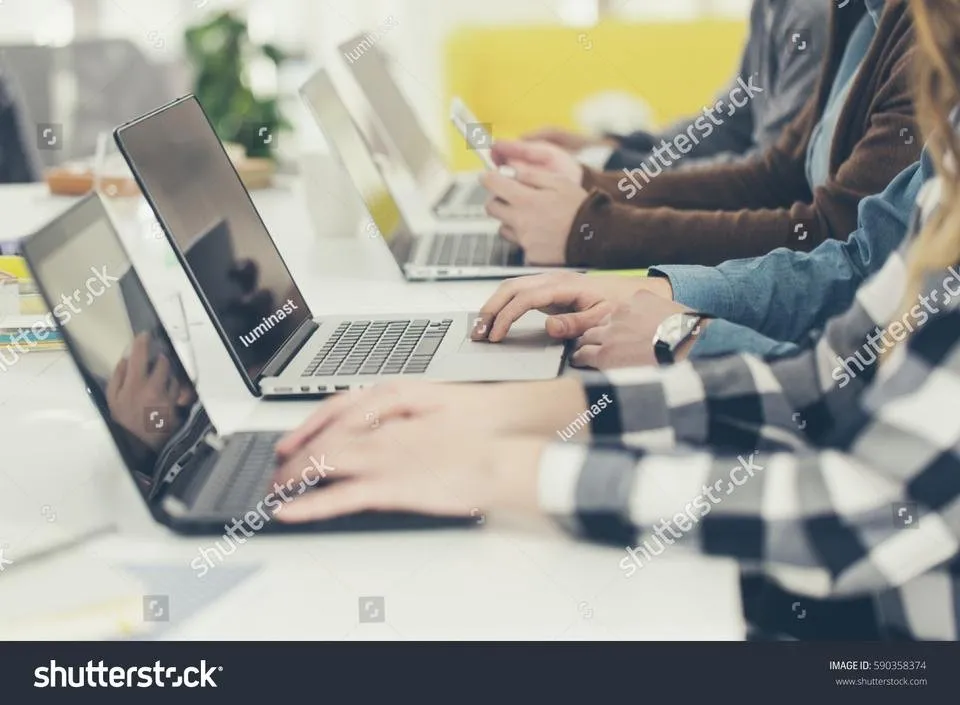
pixel 676 328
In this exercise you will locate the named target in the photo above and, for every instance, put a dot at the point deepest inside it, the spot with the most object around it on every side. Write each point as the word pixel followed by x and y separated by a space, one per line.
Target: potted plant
pixel 220 50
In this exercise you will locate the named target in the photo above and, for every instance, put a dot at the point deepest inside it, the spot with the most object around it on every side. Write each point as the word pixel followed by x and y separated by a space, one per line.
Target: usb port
pixel 342 388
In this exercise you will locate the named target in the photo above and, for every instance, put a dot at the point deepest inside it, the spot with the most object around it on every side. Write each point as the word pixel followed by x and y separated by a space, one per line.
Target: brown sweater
pixel 707 216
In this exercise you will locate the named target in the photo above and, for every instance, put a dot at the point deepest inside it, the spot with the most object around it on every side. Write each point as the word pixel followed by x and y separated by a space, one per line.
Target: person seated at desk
pixel 823 476
pixel 766 306
pixel 782 58
pixel 854 135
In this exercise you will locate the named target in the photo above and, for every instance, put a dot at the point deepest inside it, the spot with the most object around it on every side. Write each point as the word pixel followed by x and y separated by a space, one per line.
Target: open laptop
pixel 449 195
pixel 280 349
pixel 420 256
pixel 192 478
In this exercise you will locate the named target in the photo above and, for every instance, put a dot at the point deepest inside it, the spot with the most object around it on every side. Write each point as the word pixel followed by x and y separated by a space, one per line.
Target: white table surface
pixel 492 583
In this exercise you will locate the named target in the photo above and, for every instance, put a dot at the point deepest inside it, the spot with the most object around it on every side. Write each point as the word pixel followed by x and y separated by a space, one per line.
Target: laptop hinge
pixel 288 351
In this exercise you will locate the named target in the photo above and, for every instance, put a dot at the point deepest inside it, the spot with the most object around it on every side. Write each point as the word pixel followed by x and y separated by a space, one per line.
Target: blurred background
pixel 80 67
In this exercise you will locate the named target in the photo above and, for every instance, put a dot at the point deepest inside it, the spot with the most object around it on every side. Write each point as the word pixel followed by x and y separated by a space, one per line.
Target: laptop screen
pixel 120 347
pixel 203 206
pixel 368 65
pixel 345 138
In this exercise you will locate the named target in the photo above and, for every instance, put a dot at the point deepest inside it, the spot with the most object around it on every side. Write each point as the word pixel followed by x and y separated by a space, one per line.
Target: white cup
pixel 333 204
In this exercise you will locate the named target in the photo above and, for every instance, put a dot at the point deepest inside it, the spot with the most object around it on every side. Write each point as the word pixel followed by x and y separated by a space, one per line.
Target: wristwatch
pixel 674 332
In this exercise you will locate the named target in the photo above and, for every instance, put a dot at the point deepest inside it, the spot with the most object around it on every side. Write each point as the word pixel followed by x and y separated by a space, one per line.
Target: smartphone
pixel 478 138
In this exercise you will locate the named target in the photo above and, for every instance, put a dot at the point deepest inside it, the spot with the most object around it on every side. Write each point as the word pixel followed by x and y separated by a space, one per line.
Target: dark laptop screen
pixel 201 202
pixel 121 349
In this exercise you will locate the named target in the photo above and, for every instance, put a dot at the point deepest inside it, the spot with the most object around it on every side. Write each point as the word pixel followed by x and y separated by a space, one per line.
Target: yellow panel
pixel 521 78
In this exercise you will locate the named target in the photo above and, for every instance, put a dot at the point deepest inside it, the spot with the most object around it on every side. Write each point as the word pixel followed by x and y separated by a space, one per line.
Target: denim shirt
pixel 768 305
pixel 821 140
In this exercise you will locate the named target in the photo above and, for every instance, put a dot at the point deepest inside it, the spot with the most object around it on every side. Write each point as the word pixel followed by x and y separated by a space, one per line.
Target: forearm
pixel 782 295
pixel 632 237
pixel 771 181
pixel 537 409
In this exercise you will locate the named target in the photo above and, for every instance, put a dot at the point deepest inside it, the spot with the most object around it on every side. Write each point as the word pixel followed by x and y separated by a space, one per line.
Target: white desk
pixel 453 584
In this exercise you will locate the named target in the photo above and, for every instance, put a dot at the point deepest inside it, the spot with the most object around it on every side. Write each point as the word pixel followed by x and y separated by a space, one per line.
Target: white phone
pixel 477 136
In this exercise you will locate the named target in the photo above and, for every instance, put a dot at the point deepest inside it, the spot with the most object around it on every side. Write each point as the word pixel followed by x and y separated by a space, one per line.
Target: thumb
pixel 573 325
pixel 537 152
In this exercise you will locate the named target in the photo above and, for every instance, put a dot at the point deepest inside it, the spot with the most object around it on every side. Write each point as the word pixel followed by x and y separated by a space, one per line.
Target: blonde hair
pixel 937 27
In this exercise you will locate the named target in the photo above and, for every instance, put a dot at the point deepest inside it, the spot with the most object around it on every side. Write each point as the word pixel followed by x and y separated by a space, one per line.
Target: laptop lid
pixel 127 361
pixel 350 147
pixel 217 233
pixel 388 106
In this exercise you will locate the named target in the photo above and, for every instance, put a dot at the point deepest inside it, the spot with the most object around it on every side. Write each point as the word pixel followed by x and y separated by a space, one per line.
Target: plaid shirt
pixel 830 475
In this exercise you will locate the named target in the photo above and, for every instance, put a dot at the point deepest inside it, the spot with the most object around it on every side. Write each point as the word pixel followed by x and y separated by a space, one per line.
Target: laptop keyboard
pixel 379 347
pixel 247 459
pixel 469 251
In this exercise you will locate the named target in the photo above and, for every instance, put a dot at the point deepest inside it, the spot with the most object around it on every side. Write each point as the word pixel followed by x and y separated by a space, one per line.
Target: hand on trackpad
pixel 526 335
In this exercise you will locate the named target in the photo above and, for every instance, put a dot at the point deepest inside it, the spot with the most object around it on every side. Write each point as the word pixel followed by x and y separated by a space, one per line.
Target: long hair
pixel 937 27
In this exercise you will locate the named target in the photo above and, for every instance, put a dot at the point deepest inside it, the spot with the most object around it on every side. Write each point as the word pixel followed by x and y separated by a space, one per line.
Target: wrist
pixel 515 474
pixel 683 350
pixel 540 408
pixel 660 286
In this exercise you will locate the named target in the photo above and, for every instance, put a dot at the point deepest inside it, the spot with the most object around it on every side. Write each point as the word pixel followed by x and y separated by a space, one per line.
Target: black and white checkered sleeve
pixel 823 521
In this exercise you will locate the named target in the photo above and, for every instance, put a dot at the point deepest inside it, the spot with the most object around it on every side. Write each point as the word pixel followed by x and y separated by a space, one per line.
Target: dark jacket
pixel 711 215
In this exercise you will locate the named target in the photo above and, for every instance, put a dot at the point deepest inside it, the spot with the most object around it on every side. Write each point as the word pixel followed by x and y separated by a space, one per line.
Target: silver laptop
pixel 191 477
pixel 280 349
pixel 421 256
pixel 449 195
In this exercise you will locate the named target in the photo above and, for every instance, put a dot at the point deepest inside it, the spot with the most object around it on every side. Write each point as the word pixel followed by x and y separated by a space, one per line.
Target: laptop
pixel 421 256
pixel 450 196
pixel 279 347
pixel 192 478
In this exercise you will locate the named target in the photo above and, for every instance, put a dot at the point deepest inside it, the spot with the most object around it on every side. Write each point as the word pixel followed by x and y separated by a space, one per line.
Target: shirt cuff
pixel 726 338
pixel 704 289
pixel 557 476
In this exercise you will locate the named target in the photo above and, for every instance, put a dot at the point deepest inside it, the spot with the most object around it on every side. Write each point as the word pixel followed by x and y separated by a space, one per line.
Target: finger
pixel 336 499
pixel 535 177
pixel 160 376
pixel 504 187
pixel 593 336
pixel 139 359
pixel 367 407
pixel 575 324
pixel 528 152
pixel 509 234
pixel 325 413
pixel 498 208
pixel 502 296
pixel 526 300
pixel 341 456
pixel 115 385
pixel 587 356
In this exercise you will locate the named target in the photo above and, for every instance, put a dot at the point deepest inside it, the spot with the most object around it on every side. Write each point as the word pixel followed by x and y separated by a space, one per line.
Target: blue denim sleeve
pixel 725 338
pixel 786 294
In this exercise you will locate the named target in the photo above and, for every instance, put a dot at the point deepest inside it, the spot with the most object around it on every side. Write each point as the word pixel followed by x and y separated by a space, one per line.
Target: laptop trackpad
pixel 528 335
